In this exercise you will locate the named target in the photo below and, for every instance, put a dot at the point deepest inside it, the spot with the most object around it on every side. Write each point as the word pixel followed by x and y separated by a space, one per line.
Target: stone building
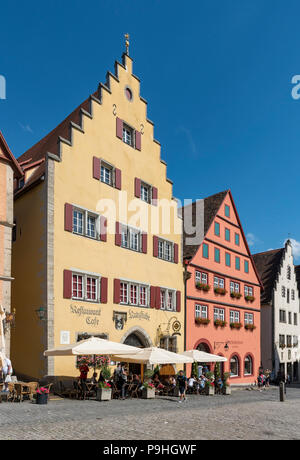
pixel 280 319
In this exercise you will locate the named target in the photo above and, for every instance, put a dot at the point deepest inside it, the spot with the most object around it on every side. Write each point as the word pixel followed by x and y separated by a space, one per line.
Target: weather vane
pixel 127 36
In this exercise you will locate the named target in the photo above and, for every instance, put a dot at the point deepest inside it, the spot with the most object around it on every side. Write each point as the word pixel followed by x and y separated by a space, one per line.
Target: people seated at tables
pixel 94 378
pixel 192 384
pixel 202 382
pixel 220 383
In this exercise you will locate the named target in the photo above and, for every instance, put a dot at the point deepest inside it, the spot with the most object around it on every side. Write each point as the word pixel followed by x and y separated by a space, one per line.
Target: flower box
pixel 42 398
pixel 236 325
pixel 148 393
pixel 103 394
pixel 227 390
pixel 210 390
pixel 235 295
pixel 203 287
pixel 220 323
pixel 202 321
pixel 220 291
pixel 249 298
pixel 250 327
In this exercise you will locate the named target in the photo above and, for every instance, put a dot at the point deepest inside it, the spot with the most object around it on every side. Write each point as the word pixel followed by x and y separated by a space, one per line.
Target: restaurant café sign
pixel 91 315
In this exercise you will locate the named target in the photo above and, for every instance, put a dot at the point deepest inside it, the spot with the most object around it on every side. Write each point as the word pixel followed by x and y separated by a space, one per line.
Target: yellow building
pixel 9 170
pixel 93 253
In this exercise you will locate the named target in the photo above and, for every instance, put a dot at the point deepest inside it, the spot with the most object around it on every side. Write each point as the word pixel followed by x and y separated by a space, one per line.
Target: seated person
pixel 220 383
pixel 94 378
pixel 202 382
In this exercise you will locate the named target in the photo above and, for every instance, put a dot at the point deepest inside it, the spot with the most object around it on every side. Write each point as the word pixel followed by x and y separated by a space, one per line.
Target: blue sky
pixel 216 75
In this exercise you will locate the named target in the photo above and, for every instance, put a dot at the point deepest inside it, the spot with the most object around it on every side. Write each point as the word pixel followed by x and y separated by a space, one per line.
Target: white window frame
pixel 86 214
pixel 163 253
pixel 107 172
pixel 128 135
pixel 219 314
pixel 146 192
pixel 249 318
pixel 85 276
pixel 219 282
pixel 251 365
pixel 201 311
pixel 234 316
pixel 165 305
pixel 131 238
pixel 139 286
pixel 201 277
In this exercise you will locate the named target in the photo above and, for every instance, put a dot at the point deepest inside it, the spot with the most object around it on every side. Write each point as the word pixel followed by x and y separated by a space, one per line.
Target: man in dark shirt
pixel 182 383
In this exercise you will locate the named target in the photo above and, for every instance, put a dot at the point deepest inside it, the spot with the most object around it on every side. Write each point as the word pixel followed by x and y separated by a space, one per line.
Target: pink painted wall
pixel 241 342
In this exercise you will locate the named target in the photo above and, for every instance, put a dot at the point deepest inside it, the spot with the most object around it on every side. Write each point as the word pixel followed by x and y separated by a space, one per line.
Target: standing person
pixel 122 382
pixel 84 370
pixel 7 371
pixel 200 371
pixel 182 383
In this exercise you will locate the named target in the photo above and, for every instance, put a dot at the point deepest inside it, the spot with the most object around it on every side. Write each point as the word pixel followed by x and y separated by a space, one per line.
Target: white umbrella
pixel 92 346
pixel 202 357
pixel 154 355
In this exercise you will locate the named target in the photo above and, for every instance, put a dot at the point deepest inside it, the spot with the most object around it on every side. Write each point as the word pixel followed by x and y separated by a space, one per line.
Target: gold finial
pixel 127 36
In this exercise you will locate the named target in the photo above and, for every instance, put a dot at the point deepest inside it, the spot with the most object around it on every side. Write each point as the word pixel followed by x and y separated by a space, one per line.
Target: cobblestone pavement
pixel 244 415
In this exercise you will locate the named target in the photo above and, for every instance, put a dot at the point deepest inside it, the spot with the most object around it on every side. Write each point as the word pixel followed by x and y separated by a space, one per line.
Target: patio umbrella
pixel 92 346
pixel 202 357
pixel 154 355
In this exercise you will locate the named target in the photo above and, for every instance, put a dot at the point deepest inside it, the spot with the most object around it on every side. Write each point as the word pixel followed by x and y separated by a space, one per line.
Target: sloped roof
pixel 268 266
pixel 10 157
pixel 212 205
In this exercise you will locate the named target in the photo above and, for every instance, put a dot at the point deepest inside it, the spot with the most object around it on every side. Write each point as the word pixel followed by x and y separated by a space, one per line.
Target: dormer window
pixel 21 183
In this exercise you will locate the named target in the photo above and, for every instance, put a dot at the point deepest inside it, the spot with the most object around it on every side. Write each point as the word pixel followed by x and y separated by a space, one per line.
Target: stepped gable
pixel 268 266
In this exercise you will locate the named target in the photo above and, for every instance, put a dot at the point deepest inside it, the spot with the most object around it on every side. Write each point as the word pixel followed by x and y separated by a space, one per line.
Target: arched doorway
pixel 203 347
pixel 136 338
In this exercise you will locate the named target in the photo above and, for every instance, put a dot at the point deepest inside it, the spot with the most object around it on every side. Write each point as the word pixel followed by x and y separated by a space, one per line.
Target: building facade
pixel 222 288
pixel 94 257
pixel 280 312
pixel 9 169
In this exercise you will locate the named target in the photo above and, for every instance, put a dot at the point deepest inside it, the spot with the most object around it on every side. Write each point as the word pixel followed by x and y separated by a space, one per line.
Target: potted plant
pixel 42 395
pixel 148 391
pixel 220 323
pixel 204 321
pixel 103 391
pixel 220 291
pixel 249 298
pixel 236 325
pixel 203 287
pixel 250 327
pixel 235 295
pixel 226 387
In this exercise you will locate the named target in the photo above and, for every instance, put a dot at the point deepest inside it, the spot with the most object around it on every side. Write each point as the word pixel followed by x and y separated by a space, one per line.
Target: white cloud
pixel 26 128
pixel 252 239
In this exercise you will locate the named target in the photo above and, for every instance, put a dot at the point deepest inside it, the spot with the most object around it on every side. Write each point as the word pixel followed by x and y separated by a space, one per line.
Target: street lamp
pixel 41 313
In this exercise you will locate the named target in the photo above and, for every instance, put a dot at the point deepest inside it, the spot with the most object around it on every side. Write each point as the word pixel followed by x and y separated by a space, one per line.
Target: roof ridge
pixel 268 252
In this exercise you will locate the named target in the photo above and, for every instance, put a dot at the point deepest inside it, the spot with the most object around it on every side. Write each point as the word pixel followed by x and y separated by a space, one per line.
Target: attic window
pixel 128 93
pixel 21 183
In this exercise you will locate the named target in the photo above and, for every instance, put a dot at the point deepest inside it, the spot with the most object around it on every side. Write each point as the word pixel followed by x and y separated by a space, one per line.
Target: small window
pixel 290 318
pixel 217 229
pixel 281 340
pixel 219 282
pixel 134 294
pixel 248 291
pixel 227 210
pixel 234 316
pixel 237 263
pixel 78 218
pixel 282 316
pixel 227 234
pixel 289 272
pixel 219 313
pixel 145 193
pixel 249 318
pixel 237 239
pixel 217 255
pixel 293 294
pixel 205 251
pixel 201 311
pixel 295 319
pixel 167 300
pixel 128 135
pixel 165 250
pixel 246 266
pixel 131 238
pixel 283 291
pixel 228 259
pixel 201 277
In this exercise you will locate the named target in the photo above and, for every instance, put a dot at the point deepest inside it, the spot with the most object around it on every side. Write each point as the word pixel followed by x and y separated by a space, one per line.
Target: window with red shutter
pixel 67 284
pixel 154 196
pixel 152 296
pixel 96 168
pixel 138 140
pixel 68 217
pixel 117 291
pixel 155 246
pixel 104 285
pixel 119 128
pixel 118 235
pixel 103 228
pixel 137 188
pixel 158 299
pixel 176 253
pixel 178 301
pixel 118 179
pixel 144 243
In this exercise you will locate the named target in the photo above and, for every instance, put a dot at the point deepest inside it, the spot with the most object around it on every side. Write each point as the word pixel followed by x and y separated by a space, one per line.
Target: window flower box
pixel 249 298
pixel 103 392
pixel 203 287
pixel 236 325
pixel 282 346
pixel 250 327
pixel 202 321
pixel 235 295
pixel 220 291
pixel 220 323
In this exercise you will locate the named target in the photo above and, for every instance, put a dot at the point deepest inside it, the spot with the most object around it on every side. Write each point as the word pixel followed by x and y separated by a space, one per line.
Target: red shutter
pixel 152 296
pixel 119 128
pixel 178 301
pixel 68 217
pixel 104 284
pixel 117 291
pixel 118 236
pixel 144 243
pixel 67 284
pixel 96 168
pixel 154 196
pixel 118 179
pixel 138 140
pixel 155 246
pixel 176 253
pixel 103 228
pixel 157 306
pixel 137 188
